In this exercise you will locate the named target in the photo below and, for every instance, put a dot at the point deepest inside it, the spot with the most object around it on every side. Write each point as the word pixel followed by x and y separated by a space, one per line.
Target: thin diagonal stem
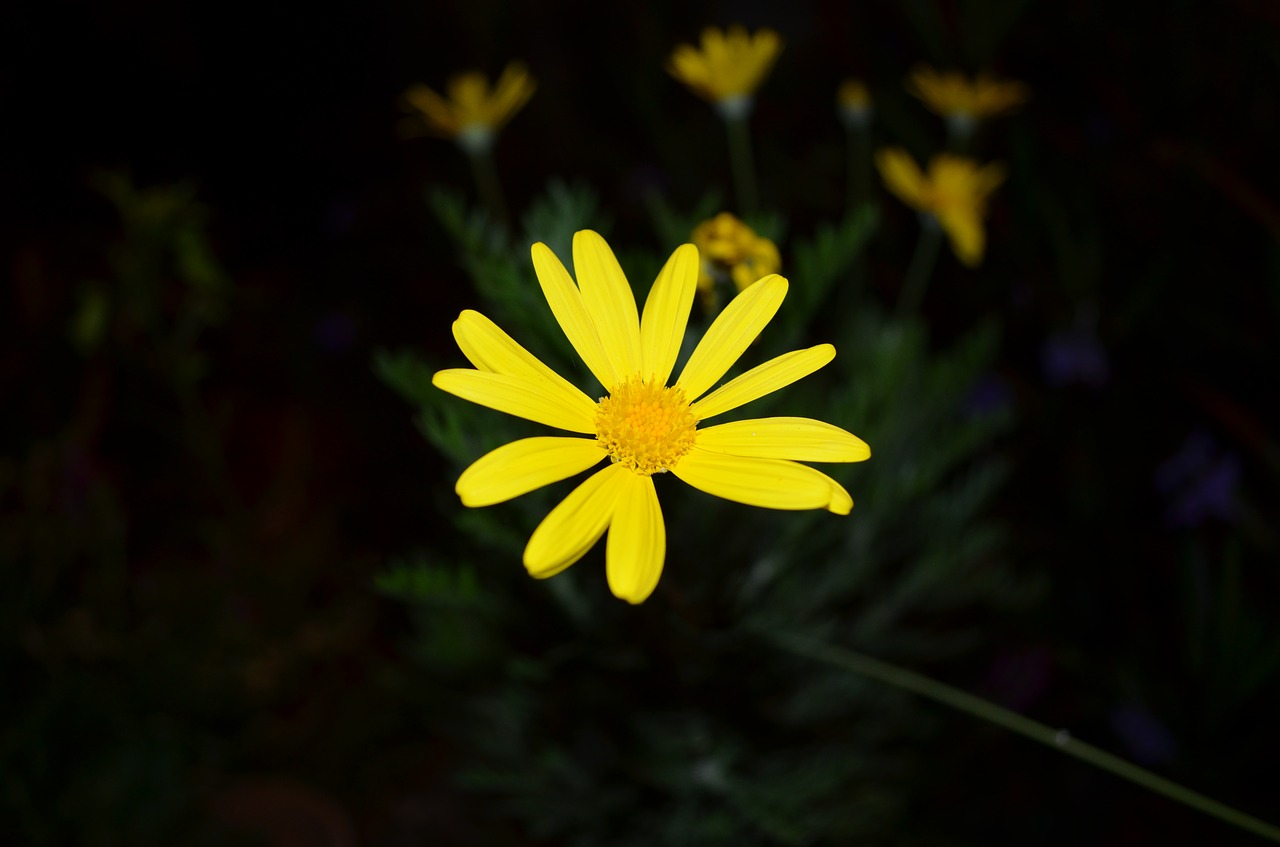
pixel 1058 739
pixel 921 267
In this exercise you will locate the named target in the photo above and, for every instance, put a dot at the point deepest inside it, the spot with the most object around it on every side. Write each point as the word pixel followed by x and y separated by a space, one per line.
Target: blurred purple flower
pixel 1075 356
pixel 990 394
pixel 1199 481
pixel 1148 740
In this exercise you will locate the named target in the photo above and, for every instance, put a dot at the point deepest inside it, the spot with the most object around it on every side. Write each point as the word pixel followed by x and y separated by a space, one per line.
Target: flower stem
pixel 960 132
pixel 487 185
pixel 1058 739
pixel 744 172
pixel 921 267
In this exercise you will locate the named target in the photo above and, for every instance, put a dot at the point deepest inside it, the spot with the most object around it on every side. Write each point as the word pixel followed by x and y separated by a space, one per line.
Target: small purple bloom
pixel 990 394
pixel 1075 357
pixel 1200 482
pixel 1148 740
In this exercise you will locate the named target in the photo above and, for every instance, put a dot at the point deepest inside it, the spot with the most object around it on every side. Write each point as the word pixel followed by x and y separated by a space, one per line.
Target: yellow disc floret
pixel 645 426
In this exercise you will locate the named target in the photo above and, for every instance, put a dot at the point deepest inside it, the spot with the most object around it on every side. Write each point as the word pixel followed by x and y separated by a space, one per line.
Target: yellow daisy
pixel 953 95
pixel 729 67
pixel 954 192
pixel 853 102
pixel 472 113
pixel 730 248
pixel 642 425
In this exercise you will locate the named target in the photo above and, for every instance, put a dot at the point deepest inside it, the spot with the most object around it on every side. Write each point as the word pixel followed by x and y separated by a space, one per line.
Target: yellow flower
pixel 854 102
pixel 953 95
pixel 472 114
pixel 729 67
pixel 954 192
pixel 729 247
pixel 643 425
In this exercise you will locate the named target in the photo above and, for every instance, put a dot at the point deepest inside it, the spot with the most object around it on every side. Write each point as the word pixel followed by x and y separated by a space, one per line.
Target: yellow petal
pixel 437 111
pixel 490 349
pixel 576 524
pixel 610 302
pixel 566 304
pixel 964 229
pixel 512 90
pixel 637 543
pixel 666 313
pixel 988 179
pixel 769 483
pixel 689 66
pixel 841 503
pixel 515 396
pixel 731 333
pixel 799 439
pixel 902 176
pixel 763 379
pixel 521 466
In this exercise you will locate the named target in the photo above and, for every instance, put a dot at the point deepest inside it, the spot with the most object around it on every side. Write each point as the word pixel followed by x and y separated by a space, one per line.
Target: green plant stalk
pixel 744 171
pixel 487 185
pixel 1057 739
pixel 921 267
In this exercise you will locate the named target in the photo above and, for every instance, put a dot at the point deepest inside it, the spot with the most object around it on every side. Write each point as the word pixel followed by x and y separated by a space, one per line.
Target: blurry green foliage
pixel 165 283
pixel 591 722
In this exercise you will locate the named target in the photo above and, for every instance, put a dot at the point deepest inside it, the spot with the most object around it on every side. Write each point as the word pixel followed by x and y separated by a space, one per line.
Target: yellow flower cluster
pixel 728 68
pixel 954 192
pixel 952 94
pixel 472 113
pixel 731 249
pixel 853 101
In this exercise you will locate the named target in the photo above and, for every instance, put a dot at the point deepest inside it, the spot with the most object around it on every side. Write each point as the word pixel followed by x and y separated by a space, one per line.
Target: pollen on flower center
pixel 645 426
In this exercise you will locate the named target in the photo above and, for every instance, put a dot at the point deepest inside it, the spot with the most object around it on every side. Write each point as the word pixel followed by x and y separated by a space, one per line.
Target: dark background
pixel 190 631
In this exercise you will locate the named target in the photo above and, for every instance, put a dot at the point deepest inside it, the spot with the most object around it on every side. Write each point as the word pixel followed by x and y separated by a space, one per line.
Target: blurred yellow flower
pixel 729 248
pixel 954 192
pixel 853 101
pixel 729 67
pixel 953 95
pixel 473 113
pixel 642 426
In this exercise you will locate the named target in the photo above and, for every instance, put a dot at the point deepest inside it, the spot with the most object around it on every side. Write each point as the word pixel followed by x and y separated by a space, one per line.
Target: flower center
pixel 645 426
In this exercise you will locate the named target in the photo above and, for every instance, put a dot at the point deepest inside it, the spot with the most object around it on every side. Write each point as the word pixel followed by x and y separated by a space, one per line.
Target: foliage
pixel 674 723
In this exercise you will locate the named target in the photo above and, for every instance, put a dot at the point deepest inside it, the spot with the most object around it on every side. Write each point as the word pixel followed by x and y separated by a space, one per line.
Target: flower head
pixel 731 249
pixel 729 67
pixel 953 95
pixel 472 114
pixel 954 193
pixel 853 103
pixel 643 425
pixel 1201 482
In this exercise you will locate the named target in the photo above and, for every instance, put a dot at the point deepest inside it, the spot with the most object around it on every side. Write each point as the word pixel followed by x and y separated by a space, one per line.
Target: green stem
pixel 960 132
pixel 921 267
pixel 744 172
pixel 1059 739
pixel 487 185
